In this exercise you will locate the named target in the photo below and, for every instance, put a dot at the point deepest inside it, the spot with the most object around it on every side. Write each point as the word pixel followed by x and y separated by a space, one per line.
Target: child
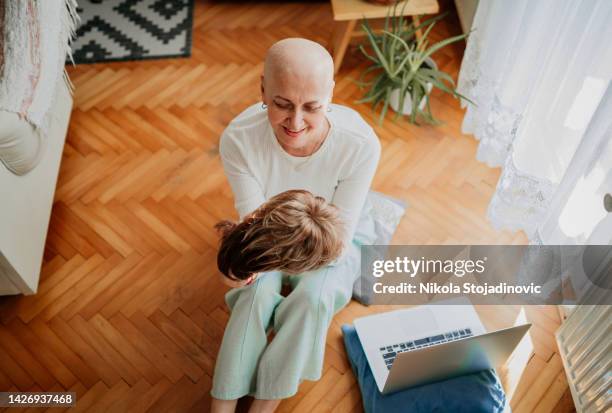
pixel 292 232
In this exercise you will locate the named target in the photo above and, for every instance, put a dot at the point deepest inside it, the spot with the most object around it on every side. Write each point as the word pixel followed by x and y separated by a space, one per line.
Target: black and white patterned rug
pixel 118 30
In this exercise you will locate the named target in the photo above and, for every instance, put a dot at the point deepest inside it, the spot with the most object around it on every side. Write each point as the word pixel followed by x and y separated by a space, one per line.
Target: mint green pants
pixel 247 364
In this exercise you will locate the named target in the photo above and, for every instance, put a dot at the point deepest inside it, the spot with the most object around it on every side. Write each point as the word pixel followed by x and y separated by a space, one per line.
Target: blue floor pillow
pixel 472 393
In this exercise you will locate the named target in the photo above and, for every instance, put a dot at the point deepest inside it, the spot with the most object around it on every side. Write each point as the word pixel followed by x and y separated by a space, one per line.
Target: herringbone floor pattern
pixel 129 313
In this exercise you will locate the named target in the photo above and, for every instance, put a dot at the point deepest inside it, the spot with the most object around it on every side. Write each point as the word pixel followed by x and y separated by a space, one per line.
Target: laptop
pixel 420 345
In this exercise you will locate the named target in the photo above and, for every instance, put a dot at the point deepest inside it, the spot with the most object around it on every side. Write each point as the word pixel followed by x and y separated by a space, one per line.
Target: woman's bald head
pixel 299 59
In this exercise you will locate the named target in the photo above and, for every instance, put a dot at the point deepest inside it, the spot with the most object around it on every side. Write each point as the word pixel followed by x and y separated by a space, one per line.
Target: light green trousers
pixel 247 364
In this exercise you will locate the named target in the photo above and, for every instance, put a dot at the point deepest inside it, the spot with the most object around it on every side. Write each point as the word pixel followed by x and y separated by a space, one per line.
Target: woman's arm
pixel 248 194
pixel 352 190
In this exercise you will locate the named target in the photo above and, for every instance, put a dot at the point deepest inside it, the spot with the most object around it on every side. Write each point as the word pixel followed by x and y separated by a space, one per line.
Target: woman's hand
pixel 237 284
pixel 252 279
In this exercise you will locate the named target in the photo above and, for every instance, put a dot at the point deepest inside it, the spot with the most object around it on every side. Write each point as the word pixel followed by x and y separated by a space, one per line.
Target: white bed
pixel 26 200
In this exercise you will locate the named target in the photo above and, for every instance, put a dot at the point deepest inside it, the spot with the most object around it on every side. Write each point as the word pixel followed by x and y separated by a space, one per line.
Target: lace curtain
pixel 538 72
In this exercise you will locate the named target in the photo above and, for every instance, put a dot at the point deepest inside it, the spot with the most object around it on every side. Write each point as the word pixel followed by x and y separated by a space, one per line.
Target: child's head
pixel 293 232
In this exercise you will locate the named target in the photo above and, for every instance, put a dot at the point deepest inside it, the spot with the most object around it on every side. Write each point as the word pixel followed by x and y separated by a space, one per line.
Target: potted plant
pixel 402 73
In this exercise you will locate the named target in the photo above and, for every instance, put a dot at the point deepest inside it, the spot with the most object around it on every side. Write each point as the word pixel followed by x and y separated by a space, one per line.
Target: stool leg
pixel 340 40
pixel 417 23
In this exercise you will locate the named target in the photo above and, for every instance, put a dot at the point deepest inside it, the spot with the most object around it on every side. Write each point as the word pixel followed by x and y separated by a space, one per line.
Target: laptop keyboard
pixel 390 352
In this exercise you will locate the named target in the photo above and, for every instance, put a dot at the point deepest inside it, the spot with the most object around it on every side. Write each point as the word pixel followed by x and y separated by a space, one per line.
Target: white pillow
pixel 379 219
pixel 20 143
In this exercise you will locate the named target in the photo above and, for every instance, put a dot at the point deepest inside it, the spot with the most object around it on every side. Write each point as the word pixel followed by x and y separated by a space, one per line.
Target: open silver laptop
pixel 420 345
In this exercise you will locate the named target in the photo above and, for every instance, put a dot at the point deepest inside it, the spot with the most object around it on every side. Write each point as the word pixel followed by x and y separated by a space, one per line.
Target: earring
pixel 329 109
pixel 264 106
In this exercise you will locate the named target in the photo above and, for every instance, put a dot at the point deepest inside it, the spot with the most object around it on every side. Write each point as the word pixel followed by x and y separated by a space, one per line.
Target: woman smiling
pixel 294 139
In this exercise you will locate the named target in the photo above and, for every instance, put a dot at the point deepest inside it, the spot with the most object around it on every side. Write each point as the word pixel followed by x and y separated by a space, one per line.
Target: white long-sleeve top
pixel 340 171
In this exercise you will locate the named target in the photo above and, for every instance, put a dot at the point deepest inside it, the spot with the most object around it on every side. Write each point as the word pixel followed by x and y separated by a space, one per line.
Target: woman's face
pixel 296 109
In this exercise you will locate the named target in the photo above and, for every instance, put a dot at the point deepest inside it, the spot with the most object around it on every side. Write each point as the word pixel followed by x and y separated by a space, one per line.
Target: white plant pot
pixel 394 98
pixel 407 109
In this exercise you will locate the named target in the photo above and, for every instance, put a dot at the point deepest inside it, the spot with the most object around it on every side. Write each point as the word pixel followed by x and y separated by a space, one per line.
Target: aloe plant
pixel 399 61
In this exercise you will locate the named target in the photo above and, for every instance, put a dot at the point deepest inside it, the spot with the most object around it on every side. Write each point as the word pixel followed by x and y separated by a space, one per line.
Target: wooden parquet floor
pixel 129 313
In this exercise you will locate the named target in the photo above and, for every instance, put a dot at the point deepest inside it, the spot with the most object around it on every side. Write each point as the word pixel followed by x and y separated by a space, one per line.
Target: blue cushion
pixel 472 393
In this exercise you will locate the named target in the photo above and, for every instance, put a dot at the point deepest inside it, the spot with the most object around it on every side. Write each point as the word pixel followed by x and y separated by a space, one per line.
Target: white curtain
pixel 539 72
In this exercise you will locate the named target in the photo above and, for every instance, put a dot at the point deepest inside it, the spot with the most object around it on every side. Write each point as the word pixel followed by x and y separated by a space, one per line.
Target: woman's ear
pixel 331 93
pixel 263 92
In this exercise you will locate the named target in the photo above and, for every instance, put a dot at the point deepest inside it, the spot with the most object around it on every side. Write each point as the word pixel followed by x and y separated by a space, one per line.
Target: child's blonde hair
pixel 293 232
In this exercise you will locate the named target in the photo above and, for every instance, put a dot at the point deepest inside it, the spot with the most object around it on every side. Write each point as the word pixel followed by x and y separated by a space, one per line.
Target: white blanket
pixel 34 45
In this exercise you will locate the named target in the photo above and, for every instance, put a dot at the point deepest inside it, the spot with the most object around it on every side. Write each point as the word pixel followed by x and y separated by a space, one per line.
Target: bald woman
pixel 295 139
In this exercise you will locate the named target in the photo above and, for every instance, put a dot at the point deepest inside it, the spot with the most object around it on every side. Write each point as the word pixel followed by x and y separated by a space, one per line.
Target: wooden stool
pixel 348 12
